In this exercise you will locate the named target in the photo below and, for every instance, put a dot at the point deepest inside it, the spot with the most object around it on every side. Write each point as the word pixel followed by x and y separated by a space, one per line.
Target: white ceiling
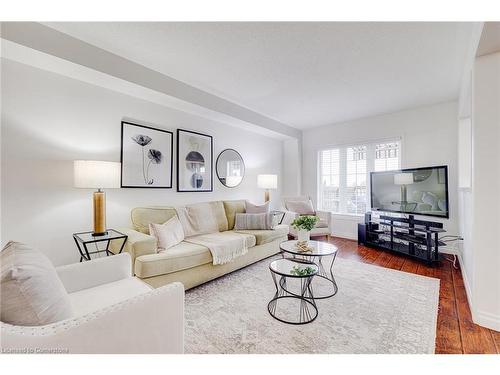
pixel 301 74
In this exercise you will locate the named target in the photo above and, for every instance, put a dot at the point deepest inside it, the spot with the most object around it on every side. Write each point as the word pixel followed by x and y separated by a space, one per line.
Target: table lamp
pixel 267 181
pixel 403 179
pixel 90 174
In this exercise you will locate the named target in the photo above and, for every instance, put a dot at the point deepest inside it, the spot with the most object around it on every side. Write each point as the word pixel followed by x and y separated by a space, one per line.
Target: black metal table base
pixel 322 273
pixel 308 310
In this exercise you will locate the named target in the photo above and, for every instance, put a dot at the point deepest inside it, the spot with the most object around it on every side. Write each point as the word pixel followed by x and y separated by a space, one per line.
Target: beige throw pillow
pixel 32 293
pixel 168 234
pixel 251 208
pixel 255 221
pixel 301 207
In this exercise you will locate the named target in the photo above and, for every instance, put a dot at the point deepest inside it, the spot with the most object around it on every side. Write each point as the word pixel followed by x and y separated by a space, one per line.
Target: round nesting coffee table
pixel 298 269
pixel 318 250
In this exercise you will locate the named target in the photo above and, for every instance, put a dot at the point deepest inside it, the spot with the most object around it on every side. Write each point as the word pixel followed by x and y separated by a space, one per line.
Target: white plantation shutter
pixel 329 196
pixel 344 174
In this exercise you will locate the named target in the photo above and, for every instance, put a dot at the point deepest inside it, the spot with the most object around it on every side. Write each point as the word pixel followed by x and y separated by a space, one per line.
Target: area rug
pixel 376 310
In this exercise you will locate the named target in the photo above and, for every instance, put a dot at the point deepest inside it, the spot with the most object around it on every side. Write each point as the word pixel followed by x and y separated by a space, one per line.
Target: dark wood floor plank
pixel 448 339
pixel 455 332
pixel 475 339
pixel 410 266
pixel 396 262
pixel 496 338
pixel 383 259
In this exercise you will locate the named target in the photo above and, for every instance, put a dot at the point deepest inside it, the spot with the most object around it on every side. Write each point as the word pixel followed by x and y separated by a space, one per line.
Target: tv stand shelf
pixel 418 239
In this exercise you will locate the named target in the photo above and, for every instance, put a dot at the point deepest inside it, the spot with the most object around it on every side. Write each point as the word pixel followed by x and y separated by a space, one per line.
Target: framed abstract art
pixel 194 161
pixel 146 157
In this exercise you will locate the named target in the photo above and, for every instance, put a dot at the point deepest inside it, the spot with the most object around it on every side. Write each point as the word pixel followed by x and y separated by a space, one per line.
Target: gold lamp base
pixel 99 213
pixel 266 196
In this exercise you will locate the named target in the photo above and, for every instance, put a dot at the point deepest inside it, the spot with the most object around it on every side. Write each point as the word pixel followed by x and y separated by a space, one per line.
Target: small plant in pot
pixel 304 224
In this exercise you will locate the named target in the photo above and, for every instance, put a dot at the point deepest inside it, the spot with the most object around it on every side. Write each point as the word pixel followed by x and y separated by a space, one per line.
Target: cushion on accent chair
pixel 32 293
pixel 301 207
pixel 168 234
pixel 251 208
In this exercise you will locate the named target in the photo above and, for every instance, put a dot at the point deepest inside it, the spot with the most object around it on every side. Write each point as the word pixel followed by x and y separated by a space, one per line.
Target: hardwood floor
pixel 456 333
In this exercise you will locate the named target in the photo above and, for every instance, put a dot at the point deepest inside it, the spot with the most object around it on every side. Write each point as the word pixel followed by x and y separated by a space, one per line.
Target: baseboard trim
pixel 347 236
pixel 468 290
pixel 487 320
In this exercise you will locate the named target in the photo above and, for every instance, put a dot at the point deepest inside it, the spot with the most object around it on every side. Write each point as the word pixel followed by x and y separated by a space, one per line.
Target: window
pixel 344 174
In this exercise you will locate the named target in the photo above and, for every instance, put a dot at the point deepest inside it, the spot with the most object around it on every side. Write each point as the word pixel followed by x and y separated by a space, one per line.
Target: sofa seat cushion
pixel 92 299
pixel 263 236
pixel 179 257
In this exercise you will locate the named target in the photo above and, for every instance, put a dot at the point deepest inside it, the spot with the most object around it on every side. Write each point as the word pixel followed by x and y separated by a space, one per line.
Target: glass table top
pixel 315 248
pixel 293 267
pixel 88 237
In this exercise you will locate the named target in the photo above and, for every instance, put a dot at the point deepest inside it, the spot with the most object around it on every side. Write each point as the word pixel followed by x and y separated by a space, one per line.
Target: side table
pixel 305 305
pixel 82 239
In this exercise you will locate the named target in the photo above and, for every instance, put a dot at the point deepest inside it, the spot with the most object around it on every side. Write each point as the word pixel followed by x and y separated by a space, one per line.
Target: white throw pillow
pixel 251 208
pixel 301 207
pixel 168 234
pixel 32 293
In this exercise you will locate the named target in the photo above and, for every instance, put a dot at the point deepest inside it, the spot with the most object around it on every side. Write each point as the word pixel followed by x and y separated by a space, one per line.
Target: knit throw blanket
pixel 200 227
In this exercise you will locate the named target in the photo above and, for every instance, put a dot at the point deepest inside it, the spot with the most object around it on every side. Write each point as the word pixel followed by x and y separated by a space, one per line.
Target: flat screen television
pixel 415 191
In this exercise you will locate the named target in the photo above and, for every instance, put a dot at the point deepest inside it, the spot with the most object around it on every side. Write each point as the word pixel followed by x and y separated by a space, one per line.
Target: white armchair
pixel 322 228
pixel 113 313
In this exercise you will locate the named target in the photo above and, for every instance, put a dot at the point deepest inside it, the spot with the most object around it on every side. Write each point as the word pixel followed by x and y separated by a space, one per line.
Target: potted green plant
pixel 304 224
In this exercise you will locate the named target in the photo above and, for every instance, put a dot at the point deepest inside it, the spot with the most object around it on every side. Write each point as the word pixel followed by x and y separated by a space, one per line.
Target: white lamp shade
pixel 96 174
pixel 267 181
pixel 403 178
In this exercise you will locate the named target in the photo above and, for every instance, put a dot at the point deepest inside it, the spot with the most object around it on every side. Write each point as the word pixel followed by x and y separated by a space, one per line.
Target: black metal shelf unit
pixel 418 239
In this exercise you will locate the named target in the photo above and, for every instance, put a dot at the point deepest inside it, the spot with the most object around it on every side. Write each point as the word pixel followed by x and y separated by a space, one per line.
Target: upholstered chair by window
pixel 302 205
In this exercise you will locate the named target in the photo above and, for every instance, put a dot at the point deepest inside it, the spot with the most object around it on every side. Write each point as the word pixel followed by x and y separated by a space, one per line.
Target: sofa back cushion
pixel 232 208
pixel 220 215
pixel 32 293
pixel 301 207
pixel 143 216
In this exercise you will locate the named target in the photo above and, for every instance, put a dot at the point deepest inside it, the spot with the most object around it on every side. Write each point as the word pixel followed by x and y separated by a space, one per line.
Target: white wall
pixel 485 262
pixel 292 156
pixel 49 120
pixel 429 137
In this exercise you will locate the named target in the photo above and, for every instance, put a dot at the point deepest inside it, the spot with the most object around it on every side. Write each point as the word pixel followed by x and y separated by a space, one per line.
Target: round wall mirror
pixel 230 168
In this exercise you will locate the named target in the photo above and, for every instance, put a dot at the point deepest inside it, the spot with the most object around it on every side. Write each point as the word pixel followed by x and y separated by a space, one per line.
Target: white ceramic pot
pixel 304 235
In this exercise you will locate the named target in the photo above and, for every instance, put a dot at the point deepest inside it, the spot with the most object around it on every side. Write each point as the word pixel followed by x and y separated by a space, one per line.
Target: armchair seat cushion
pixel 92 299
pixel 263 236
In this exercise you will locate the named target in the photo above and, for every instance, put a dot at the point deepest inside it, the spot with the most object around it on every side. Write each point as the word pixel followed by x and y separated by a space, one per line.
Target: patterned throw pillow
pixel 168 234
pixel 251 208
pixel 255 221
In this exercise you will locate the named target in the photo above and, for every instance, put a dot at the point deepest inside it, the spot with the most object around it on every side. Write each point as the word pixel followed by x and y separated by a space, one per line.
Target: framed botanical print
pixel 146 156
pixel 194 161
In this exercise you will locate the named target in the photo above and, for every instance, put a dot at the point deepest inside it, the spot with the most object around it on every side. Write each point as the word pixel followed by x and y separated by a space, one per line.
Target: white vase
pixel 304 235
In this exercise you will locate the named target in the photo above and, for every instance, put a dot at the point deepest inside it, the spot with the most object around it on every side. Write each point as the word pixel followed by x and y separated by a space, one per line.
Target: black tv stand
pixel 418 239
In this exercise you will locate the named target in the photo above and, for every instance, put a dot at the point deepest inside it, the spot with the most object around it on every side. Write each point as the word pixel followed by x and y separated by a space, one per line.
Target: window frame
pixel 370 167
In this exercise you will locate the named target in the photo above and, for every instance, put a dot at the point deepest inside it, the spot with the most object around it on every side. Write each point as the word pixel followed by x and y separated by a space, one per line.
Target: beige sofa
pixel 189 263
